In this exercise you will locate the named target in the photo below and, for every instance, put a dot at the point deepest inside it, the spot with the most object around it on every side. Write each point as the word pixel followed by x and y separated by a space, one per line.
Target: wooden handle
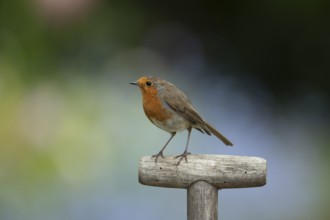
pixel 221 171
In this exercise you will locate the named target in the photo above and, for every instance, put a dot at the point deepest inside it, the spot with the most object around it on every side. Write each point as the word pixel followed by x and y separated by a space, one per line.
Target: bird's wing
pixel 179 102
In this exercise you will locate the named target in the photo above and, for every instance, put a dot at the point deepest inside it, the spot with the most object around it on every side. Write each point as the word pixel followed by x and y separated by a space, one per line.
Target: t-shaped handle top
pixel 221 171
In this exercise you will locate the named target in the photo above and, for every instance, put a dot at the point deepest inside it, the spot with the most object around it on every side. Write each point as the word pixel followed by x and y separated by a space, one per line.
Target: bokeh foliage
pixel 72 129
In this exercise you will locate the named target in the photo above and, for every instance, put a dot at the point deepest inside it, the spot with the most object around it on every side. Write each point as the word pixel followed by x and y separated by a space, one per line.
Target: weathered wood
pixel 221 171
pixel 202 201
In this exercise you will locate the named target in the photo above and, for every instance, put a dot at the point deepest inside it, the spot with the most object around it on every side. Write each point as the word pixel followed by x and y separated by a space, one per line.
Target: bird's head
pixel 148 84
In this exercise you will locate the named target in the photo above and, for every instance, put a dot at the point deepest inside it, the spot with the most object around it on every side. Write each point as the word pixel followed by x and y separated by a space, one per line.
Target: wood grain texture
pixel 221 171
pixel 202 200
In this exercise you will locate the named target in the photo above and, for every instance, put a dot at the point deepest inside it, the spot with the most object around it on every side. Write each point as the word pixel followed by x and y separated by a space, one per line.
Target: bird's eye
pixel 148 83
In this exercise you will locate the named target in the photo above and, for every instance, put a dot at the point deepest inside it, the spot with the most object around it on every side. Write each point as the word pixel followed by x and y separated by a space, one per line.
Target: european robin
pixel 168 108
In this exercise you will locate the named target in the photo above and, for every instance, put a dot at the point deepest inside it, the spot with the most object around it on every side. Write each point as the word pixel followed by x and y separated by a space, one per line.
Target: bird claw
pixel 157 155
pixel 183 155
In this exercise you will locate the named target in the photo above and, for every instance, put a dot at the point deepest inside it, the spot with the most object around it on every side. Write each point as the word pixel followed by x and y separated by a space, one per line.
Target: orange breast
pixel 154 109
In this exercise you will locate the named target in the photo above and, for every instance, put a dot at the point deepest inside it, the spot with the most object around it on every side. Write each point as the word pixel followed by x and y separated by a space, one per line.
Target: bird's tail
pixel 217 133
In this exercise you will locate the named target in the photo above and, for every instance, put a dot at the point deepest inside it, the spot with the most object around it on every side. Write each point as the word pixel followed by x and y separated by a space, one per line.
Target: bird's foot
pixel 160 154
pixel 181 156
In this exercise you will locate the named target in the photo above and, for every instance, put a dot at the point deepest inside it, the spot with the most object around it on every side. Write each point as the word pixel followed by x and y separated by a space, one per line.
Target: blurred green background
pixel 72 129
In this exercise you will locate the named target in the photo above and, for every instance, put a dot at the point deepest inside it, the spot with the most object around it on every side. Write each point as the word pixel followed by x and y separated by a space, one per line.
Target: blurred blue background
pixel 72 129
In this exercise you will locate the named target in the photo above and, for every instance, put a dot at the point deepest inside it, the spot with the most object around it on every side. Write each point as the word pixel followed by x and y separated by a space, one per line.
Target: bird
pixel 169 109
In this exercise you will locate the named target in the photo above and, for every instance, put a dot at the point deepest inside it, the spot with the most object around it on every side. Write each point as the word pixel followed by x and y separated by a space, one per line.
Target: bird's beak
pixel 134 83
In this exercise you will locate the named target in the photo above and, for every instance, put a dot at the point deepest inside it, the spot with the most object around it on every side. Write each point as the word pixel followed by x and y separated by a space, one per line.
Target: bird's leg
pixel 185 153
pixel 161 151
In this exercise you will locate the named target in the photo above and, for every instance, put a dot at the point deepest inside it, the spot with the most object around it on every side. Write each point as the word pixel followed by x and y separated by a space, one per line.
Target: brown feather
pixel 217 133
pixel 179 102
